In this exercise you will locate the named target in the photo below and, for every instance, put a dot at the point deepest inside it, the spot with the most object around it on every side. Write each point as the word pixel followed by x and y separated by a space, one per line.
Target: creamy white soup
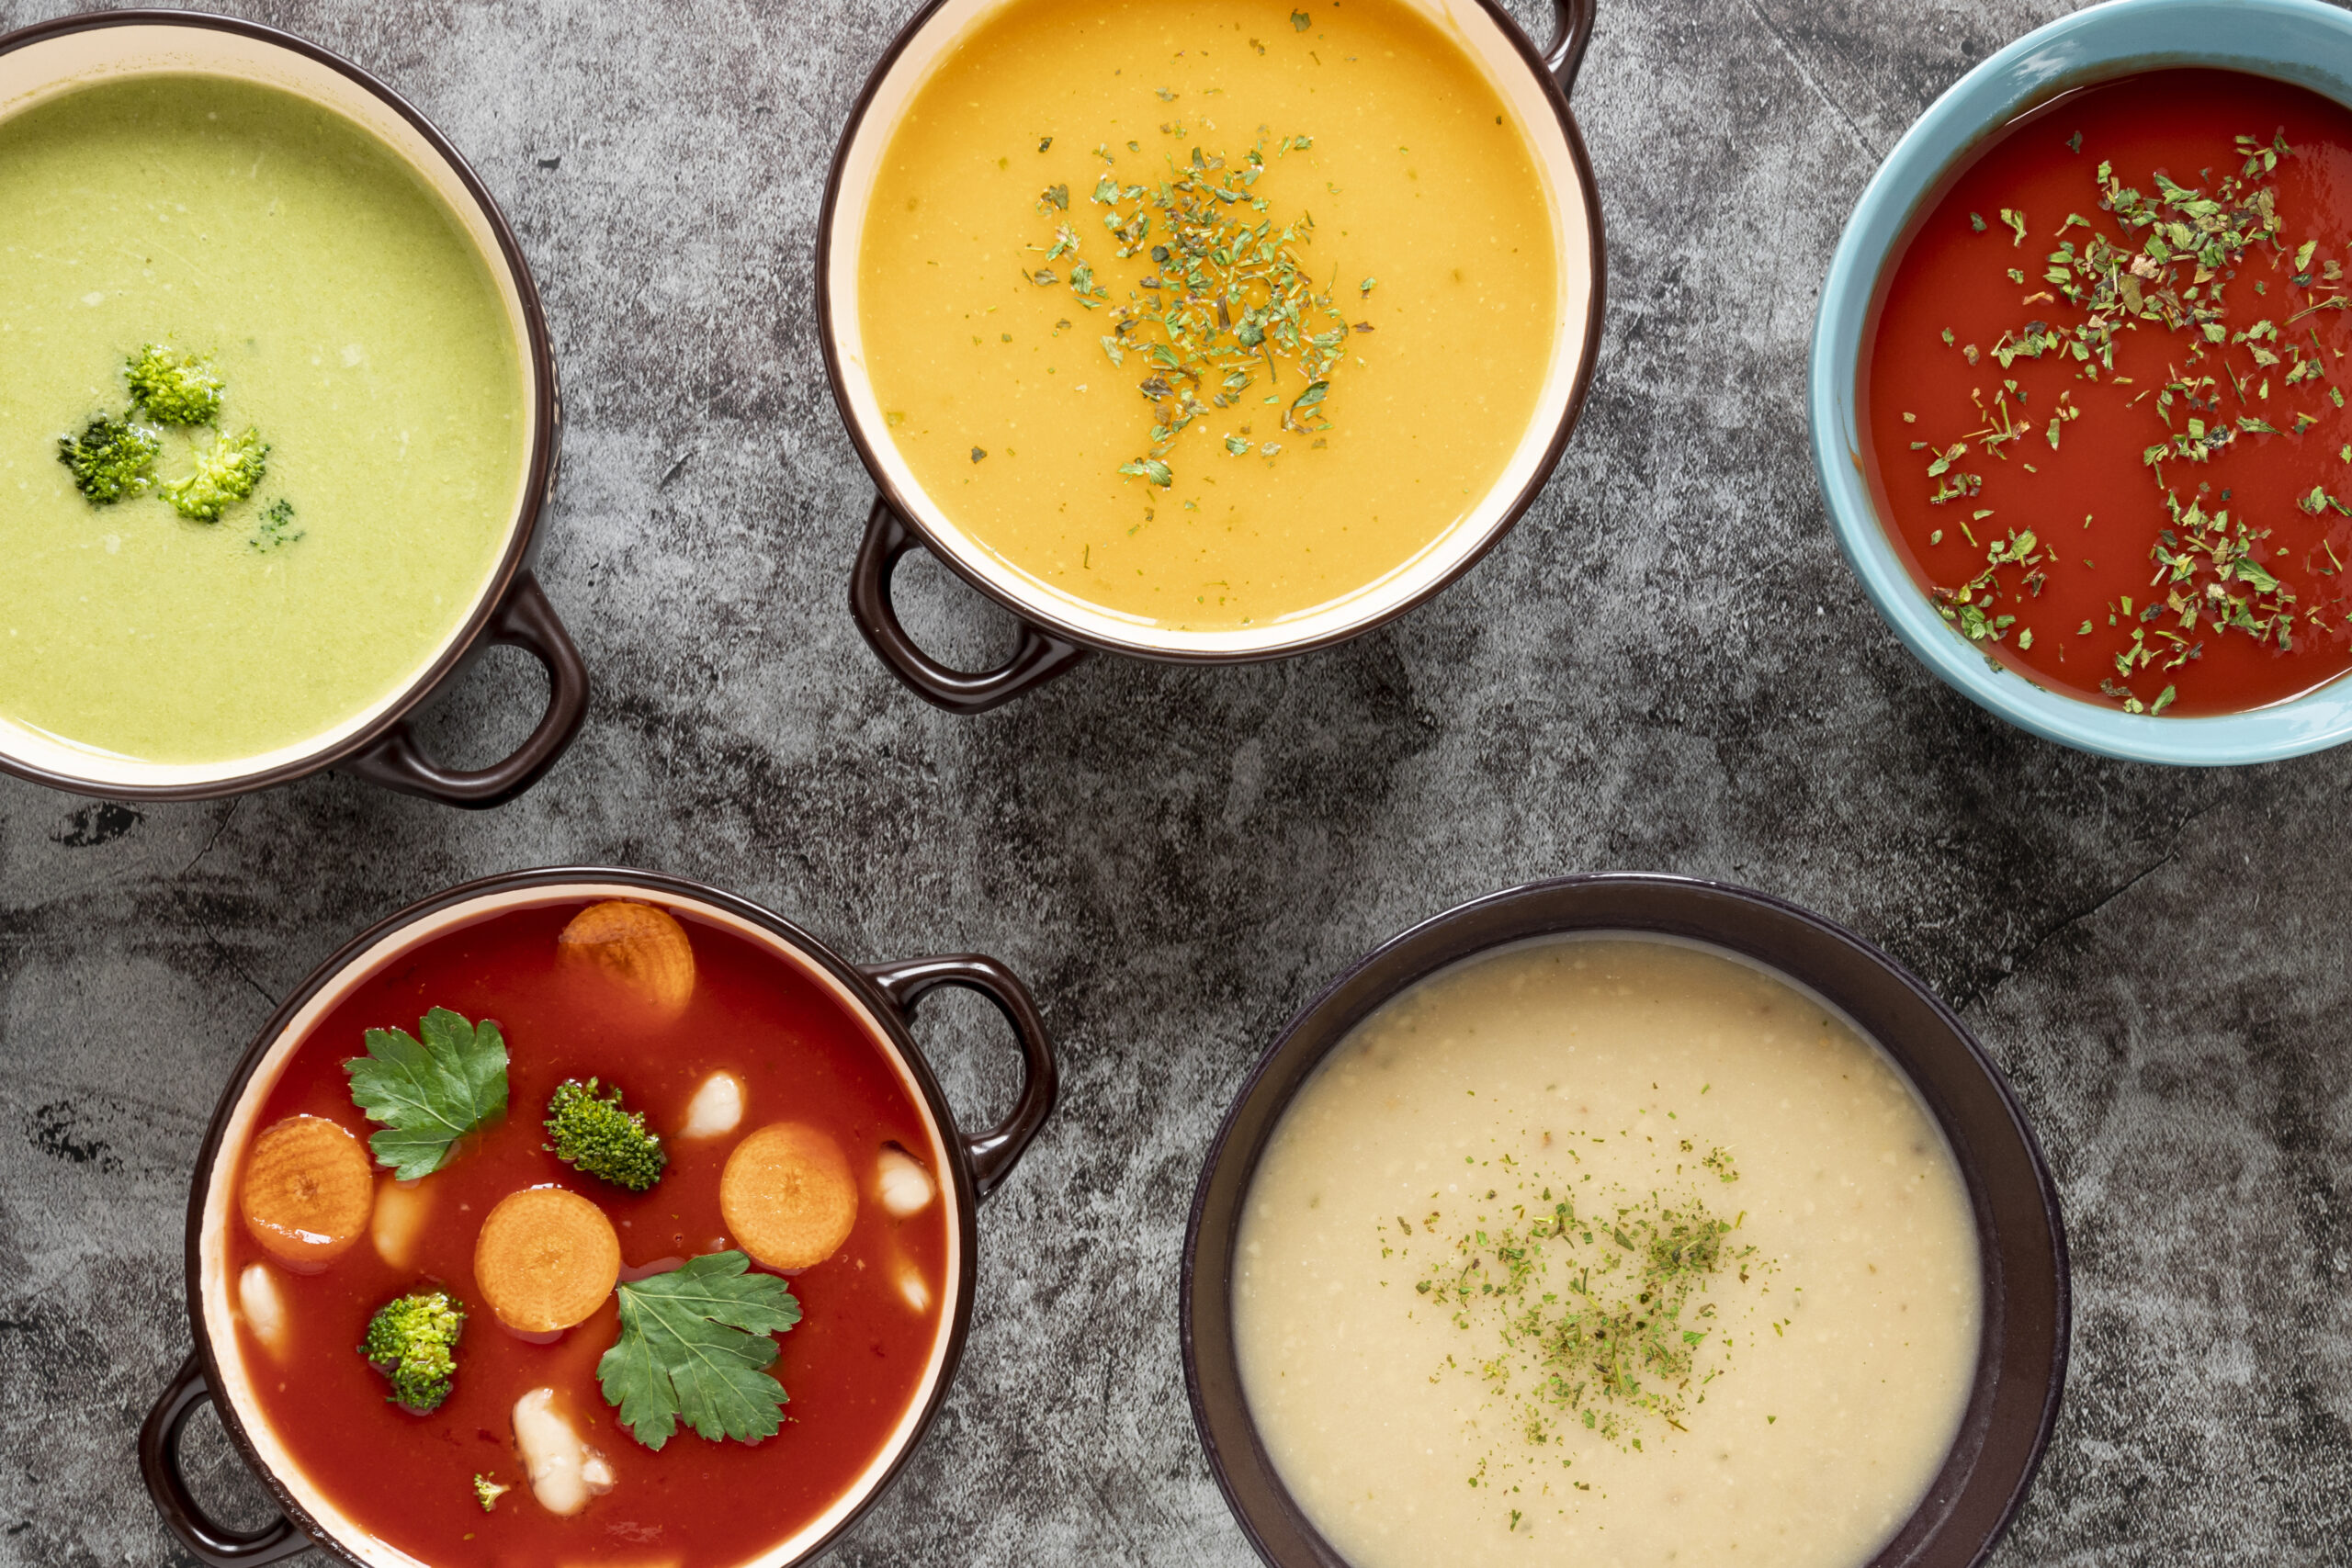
pixel 1607 1250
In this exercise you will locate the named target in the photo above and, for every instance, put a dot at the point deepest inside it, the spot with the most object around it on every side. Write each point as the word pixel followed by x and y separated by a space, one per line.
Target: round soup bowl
pixel 1057 630
pixel 2021 1356
pixel 2297 41
pixel 878 998
pixel 40 62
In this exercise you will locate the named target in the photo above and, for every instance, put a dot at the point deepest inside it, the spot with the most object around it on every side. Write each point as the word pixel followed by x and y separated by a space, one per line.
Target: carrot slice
pixel 546 1259
pixel 787 1195
pixel 642 949
pixel 308 1189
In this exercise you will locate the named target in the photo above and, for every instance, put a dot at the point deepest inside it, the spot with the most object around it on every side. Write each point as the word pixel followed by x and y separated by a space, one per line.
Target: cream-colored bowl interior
pixel 39 72
pixel 222 1313
pixel 1481 36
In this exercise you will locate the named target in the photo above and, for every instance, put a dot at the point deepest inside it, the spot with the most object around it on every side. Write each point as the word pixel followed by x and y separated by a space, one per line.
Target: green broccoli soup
pixel 263 419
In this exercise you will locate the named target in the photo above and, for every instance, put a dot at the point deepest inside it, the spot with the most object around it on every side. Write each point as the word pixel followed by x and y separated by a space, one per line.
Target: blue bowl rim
pixel 1910 172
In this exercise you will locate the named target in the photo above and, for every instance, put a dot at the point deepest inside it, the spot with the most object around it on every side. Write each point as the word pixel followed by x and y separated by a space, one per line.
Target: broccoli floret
pixel 410 1341
pixel 226 472
pixel 599 1137
pixel 277 527
pixel 178 389
pixel 488 1492
pixel 110 459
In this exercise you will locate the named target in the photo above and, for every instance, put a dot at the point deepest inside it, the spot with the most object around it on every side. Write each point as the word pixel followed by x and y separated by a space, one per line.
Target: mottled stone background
pixel 1666 667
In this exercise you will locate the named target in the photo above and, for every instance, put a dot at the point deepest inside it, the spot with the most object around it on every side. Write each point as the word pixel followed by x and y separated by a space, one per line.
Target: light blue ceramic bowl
pixel 2301 42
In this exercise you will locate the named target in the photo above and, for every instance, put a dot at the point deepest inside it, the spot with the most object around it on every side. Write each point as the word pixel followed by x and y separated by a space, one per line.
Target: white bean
pixel 565 1472
pixel 264 1307
pixel 716 1109
pixel 911 1286
pixel 907 1187
pixel 400 1211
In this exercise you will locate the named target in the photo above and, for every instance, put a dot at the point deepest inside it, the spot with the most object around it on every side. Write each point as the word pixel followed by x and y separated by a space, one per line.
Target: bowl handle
pixel 1566 54
pixel 525 620
pixel 991 1155
pixel 1040 658
pixel 206 1539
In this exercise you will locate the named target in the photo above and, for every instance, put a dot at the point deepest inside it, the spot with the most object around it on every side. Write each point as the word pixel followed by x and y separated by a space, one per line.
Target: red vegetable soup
pixel 870 1320
pixel 2106 421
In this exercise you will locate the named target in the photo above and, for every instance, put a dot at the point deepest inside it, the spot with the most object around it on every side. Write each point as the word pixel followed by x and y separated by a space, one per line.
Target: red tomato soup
pixel 851 1368
pixel 2105 420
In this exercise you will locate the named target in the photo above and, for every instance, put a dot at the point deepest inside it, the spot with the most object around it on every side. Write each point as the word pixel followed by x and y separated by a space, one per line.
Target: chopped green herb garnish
pixel 1597 1318
pixel 276 527
pixel 1222 298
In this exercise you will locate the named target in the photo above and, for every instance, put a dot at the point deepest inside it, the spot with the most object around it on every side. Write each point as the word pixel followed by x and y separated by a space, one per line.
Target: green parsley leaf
pixel 1300 21
pixel 694 1346
pixel 429 1095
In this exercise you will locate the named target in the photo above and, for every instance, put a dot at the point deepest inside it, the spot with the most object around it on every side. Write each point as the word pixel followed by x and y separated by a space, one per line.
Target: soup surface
pixel 870 1314
pixel 1606 1251
pixel 2103 395
pixel 357 332
pixel 1009 370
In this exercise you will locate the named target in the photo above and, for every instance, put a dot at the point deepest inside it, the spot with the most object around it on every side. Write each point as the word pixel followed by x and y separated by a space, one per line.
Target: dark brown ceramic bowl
pixel 2022 1361
pixel 882 996
pixel 1057 631
pixel 378 744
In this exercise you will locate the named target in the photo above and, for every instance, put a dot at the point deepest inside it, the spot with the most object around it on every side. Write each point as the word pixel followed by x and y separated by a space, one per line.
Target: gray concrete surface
pixel 1666 667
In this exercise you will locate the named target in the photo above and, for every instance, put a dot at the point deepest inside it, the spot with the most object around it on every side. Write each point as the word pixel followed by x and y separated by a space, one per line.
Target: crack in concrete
pixel 1806 76
pixel 218 829
pixel 2018 961
pixel 230 958
pixel 220 947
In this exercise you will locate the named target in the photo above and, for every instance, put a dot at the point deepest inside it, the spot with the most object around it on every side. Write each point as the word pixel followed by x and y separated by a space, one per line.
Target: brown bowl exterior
pixel 513 610
pixel 888 994
pixel 2021 1357
pixel 1051 644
